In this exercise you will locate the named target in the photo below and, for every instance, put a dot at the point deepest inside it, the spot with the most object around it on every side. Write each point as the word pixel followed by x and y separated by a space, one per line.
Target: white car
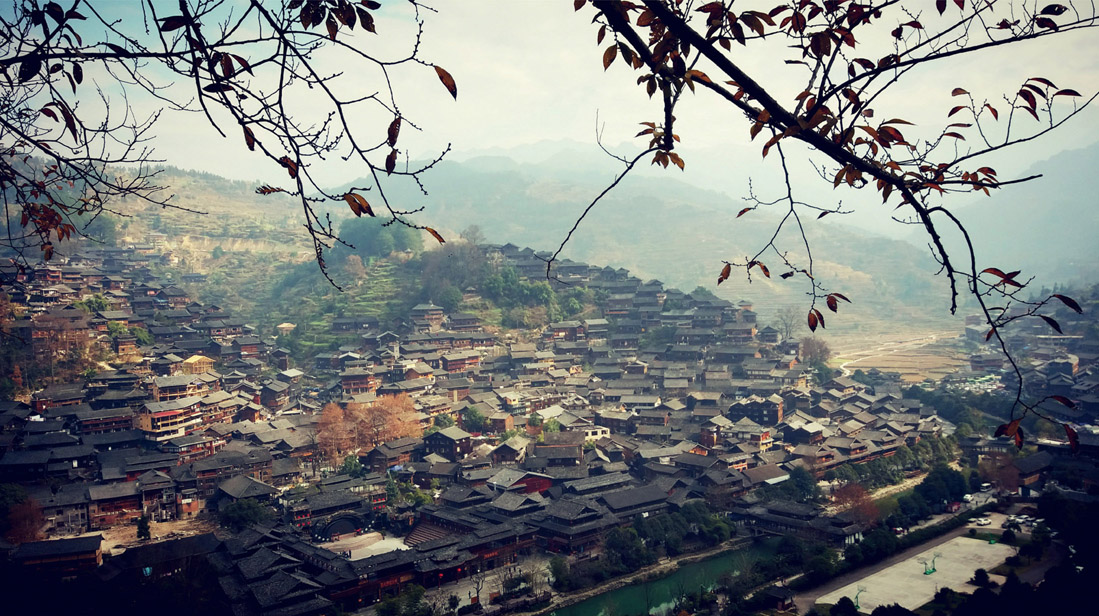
pixel 983 521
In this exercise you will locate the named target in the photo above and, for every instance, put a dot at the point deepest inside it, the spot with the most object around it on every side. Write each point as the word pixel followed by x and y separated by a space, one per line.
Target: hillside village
pixel 518 447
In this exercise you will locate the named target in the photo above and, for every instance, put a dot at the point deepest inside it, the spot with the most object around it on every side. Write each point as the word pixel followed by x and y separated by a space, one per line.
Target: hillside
pixel 657 227
pixel 665 229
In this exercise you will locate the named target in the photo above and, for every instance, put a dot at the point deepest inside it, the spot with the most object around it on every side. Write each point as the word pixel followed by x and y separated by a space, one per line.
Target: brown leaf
pixel 1068 301
pixel 1007 429
pixel 332 26
pixel 743 212
pixel 833 305
pixel 290 165
pixel 394 130
pixel 992 110
pixel 958 92
pixel 448 81
pixel 391 162
pixel 609 55
pixel 1019 438
pixel 725 272
pixel 812 321
pixel 174 22
pixel 1046 22
pixel 1052 323
pixel 1066 92
pixel 358 204
pixel 1064 401
pixel 249 139
pixel 435 234
pixel 1073 439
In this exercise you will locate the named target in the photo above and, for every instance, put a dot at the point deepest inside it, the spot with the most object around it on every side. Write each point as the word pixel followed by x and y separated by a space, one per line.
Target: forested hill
pixel 669 230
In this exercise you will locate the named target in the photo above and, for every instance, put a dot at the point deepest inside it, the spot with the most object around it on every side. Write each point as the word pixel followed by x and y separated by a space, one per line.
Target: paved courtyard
pixel 906 584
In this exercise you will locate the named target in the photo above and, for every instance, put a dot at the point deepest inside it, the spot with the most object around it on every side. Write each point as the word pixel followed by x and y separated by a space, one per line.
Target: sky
pixel 529 71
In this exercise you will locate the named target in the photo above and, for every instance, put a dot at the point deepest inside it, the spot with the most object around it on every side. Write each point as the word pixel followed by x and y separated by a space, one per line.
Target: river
pixel 658 596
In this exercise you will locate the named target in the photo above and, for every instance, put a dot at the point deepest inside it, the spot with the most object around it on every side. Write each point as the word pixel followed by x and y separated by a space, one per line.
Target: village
pixel 435 452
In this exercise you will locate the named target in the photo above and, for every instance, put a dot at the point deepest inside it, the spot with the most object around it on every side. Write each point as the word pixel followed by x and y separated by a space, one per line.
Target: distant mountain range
pixel 1047 227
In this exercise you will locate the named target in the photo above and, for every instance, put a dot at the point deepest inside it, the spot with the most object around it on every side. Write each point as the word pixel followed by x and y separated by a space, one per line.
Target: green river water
pixel 658 596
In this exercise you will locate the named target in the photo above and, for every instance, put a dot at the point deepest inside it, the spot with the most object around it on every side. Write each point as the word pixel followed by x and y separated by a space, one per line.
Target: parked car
pixel 983 521
pixel 968 498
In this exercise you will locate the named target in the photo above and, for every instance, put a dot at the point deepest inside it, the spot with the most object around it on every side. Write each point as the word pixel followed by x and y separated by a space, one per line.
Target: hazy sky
pixel 530 70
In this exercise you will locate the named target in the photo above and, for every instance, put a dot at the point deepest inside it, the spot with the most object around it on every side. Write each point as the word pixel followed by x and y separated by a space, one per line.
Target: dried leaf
pixel 958 92
pixel 1052 323
pixel 249 139
pixel 812 321
pixel 725 272
pixel 29 68
pixel 358 204
pixel 394 130
pixel 1068 301
pixel 290 165
pixel 833 305
pixel 435 234
pixel 1008 429
pixel 1063 401
pixel 174 22
pixel 1073 438
pixel 448 81
pixel 1066 92
pixel 391 162
pixel 609 55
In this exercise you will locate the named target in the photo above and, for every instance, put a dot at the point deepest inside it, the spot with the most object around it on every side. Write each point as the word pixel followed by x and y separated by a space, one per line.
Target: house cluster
pixel 1053 363
pixel 199 401
pixel 549 445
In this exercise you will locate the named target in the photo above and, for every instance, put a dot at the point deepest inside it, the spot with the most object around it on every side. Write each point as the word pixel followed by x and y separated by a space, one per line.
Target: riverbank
pixel 661 569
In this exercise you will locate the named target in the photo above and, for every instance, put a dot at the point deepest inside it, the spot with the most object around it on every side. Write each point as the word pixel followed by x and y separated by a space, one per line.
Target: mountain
pixel 1046 227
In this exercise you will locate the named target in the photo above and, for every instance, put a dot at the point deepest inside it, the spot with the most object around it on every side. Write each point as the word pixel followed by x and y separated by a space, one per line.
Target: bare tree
pixel 788 320
pixel 254 70
pixel 479 580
